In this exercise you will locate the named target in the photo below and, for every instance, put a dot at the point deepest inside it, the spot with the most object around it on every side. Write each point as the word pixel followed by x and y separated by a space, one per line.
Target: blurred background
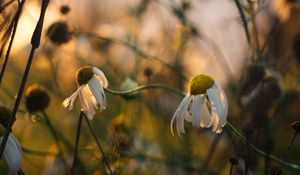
pixel 251 47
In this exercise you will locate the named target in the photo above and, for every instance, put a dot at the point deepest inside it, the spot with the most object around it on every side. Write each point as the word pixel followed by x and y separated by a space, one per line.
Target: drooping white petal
pixel 215 119
pixel 196 112
pixel 224 100
pixel 188 117
pixel 206 118
pixel 98 92
pixel 68 103
pixel 179 115
pixel 100 75
pixel 215 99
pixel 87 103
pixel 12 154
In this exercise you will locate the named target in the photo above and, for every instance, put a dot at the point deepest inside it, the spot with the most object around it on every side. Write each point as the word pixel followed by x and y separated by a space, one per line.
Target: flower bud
pixel 59 32
pixel 36 98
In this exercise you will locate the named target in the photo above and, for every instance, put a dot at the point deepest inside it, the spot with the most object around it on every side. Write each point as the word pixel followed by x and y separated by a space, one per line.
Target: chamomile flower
pixel 205 105
pixel 91 82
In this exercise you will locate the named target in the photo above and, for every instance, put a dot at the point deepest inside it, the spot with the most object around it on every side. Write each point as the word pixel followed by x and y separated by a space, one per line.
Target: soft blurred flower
pixel 91 81
pixel 12 152
pixel 205 105
pixel 36 98
pixel 59 32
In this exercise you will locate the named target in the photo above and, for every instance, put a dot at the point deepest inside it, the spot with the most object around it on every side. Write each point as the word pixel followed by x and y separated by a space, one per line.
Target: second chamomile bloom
pixel 91 82
pixel 205 105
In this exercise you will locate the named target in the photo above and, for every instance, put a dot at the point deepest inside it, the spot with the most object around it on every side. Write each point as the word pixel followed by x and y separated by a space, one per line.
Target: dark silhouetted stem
pixel 98 143
pixel 231 169
pixel 76 144
pixel 35 44
pixel 15 26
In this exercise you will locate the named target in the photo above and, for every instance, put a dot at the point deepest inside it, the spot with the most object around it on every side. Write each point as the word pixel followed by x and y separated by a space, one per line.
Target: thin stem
pixel 291 144
pixel 98 143
pixel 244 20
pixel 15 26
pixel 231 169
pixel 36 152
pixel 77 143
pixel 247 155
pixel 35 44
pixel 144 87
pixel 260 152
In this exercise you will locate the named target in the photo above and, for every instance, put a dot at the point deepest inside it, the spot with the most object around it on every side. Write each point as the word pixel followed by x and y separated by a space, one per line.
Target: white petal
pixel 179 115
pixel 87 103
pixel 100 75
pixel 223 99
pixel 215 99
pixel 12 154
pixel 98 92
pixel 196 112
pixel 69 102
pixel 188 117
pixel 206 118
pixel 215 119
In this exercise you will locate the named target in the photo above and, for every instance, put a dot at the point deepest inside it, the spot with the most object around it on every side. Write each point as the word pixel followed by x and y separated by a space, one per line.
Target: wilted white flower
pixel 91 82
pixel 12 154
pixel 205 105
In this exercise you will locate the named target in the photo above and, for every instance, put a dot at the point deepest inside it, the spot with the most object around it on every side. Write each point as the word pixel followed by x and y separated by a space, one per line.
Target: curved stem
pixel 144 87
pixel 228 126
pixel 244 20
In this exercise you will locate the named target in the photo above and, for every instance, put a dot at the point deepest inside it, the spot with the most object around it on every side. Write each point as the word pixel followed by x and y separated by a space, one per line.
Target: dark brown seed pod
pixel 59 33
pixel 36 98
pixel 64 9
pixel 253 76
pixel 234 160
pixel 296 126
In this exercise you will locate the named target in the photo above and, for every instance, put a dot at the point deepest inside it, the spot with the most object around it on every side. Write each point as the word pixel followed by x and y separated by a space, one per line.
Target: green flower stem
pixel 228 126
pixel 144 87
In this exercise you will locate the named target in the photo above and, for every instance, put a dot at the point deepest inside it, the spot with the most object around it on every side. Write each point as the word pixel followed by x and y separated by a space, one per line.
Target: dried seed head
pixel 64 9
pixel 296 126
pixel 5 113
pixel 234 160
pixel 84 74
pixel 36 98
pixel 199 84
pixel 254 74
pixel 59 32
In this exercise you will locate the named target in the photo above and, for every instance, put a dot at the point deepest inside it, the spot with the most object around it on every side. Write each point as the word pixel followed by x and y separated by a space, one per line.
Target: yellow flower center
pixel 199 84
pixel 84 74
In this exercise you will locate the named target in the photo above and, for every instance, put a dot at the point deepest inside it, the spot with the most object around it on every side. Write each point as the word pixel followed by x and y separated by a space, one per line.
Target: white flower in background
pixel 91 82
pixel 12 153
pixel 205 105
